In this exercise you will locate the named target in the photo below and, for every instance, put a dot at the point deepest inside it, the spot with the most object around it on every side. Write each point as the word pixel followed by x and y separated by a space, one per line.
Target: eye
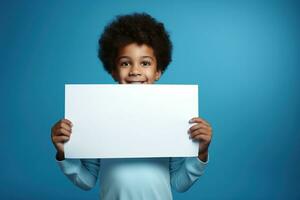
pixel 124 64
pixel 146 63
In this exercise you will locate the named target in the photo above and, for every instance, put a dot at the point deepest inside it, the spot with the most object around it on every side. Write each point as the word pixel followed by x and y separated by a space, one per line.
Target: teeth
pixel 136 83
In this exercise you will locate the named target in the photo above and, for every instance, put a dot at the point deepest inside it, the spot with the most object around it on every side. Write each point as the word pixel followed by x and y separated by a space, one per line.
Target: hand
pixel 60 133
pixel 201 132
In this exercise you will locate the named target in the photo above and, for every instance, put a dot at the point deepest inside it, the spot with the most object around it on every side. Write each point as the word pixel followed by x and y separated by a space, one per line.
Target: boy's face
pixel 136 64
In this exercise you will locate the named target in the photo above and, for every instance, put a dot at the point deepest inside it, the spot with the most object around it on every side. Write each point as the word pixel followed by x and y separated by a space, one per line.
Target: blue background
pixel 243 54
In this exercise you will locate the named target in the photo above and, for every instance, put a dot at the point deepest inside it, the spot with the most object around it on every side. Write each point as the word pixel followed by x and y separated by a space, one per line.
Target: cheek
pixel 151 75
pixel 120 76
pixel 123 73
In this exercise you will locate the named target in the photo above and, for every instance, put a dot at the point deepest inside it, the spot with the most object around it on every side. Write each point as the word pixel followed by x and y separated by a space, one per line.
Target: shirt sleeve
pixel 185 171
pixel 81 172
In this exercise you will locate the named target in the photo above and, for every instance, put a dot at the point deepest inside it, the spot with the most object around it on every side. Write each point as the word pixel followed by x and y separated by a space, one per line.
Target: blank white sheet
pixel 127 121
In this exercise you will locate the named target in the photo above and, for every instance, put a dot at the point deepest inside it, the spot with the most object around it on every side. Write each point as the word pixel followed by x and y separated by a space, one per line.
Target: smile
pixel 137 82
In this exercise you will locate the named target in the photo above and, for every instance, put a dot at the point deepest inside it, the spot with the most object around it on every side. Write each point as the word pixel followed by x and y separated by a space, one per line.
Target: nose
pixel 134 71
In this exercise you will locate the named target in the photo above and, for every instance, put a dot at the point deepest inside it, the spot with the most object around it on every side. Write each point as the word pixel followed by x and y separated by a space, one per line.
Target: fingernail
pixel 191 121
pixel 189 131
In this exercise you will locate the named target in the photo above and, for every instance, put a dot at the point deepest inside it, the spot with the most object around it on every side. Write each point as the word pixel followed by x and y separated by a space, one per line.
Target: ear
pixel 157 75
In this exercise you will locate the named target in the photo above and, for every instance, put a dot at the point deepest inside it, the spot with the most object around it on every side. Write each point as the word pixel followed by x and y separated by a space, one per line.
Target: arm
pixel 81 172
pixel 185 171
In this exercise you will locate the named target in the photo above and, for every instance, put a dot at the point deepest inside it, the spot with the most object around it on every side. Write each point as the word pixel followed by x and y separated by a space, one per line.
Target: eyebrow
pixel 119 58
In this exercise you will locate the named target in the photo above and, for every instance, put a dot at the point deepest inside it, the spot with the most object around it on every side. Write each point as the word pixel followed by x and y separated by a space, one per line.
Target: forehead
pixel 136 51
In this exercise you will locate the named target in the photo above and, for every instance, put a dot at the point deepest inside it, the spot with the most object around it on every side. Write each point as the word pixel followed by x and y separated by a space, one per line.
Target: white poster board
pixel 126 121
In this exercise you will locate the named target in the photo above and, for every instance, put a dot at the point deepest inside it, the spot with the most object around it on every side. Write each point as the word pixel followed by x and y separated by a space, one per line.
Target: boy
pixel 135 49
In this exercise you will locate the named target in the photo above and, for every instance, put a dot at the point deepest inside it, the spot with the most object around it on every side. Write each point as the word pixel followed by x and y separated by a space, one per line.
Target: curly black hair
pixel 138 28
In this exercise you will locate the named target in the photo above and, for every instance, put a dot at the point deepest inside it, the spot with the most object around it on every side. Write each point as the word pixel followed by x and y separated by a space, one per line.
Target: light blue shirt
pixel 134 178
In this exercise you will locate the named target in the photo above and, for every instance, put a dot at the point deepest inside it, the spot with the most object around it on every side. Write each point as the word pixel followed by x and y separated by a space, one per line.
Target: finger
pixel 198 120
pixel 67 121
pixel 62 131
pixel 199 132
pixel 65 126
pixel 198 126
pixel 203 138
pixel 61 138
pixel 59 125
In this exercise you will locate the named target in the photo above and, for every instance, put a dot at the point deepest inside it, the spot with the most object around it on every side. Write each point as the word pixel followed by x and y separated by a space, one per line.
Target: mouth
pixel 137 82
